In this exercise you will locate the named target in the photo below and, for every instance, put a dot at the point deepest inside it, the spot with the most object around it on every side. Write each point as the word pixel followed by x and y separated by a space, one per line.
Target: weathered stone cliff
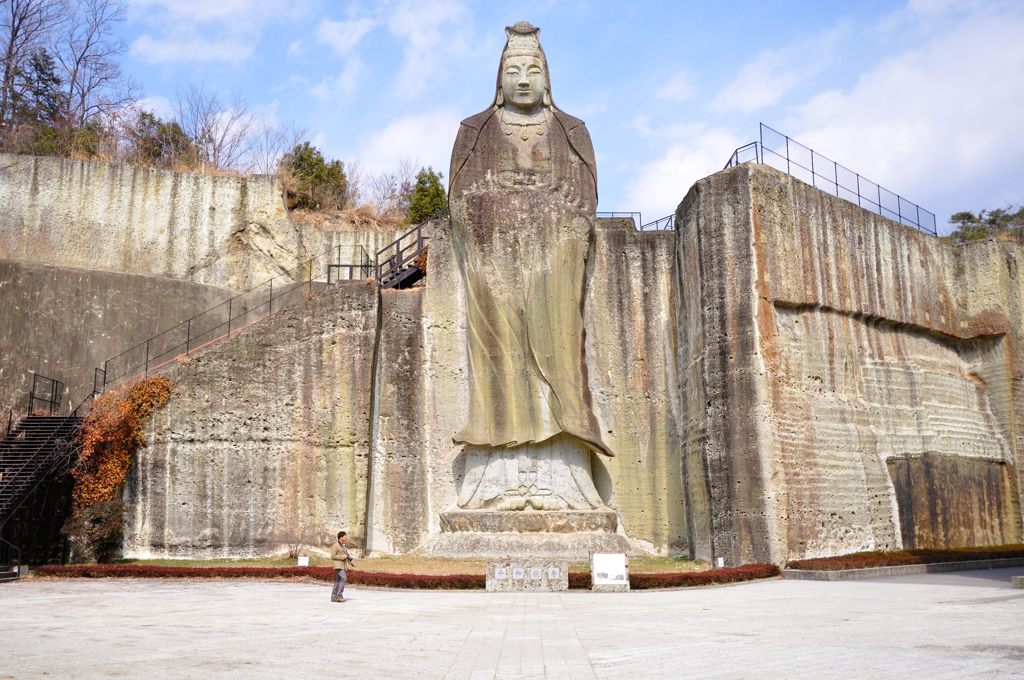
pixel 266 437
pixel 233 232
pixel 847 383
pixel 264 427
pixel 63 322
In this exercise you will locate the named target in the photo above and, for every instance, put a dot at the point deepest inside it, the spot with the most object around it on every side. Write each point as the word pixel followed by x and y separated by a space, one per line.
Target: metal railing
pixel 218 322
pixel 666 223
pixel 257 303
pixel 786 154
pixel 391 260
pixel 635 216
pixel 352 272
pixel 43 399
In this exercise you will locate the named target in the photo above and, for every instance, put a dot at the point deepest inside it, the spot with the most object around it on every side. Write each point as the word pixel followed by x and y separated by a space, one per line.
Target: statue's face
pixel 523 82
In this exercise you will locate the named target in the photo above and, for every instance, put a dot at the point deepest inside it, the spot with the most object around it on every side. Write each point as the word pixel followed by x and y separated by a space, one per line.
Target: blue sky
pixel 924 97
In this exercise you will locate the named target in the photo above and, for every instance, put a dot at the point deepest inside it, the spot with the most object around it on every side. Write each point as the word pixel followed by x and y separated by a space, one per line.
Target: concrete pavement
pixel 921 626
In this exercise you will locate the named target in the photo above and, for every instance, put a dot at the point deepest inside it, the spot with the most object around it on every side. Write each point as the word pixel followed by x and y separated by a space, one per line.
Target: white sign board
pixel 608 569
pixel 304 561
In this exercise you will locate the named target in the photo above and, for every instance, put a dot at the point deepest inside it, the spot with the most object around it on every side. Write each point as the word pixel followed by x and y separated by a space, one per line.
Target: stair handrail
pixel 4 484
pixel 54 400
pixel 398 260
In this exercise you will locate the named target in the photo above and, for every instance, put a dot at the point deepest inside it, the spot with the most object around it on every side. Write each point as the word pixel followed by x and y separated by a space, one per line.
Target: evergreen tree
pixel 428 197
pixel 39 100
pixel 317 184
pixel 987 223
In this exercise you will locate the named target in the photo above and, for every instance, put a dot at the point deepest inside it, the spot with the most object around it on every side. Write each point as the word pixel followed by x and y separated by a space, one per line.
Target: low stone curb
pixel 898 570
pixel 1017 582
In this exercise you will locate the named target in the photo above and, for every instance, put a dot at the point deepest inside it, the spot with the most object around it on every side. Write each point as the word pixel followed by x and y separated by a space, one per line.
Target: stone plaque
pixel 524 575
pixel 609 572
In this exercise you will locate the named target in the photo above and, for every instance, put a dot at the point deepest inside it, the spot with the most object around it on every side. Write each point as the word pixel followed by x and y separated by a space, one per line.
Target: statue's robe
pixel 522 223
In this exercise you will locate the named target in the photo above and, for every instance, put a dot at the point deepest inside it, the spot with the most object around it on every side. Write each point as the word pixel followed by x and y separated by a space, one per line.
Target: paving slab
pixel 128 628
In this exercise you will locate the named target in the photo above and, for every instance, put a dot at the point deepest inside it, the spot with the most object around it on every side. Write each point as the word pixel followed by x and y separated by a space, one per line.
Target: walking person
pixel 341 561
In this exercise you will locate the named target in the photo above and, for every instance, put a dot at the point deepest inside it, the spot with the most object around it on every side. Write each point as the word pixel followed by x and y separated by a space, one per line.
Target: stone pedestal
pixel 566 534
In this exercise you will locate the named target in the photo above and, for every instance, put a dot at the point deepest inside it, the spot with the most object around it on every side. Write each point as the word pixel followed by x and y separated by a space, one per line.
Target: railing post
pixel 899 209
pixel 188 337
pixel 813 174
pixel 918 212
pixel 877 186
pixel 787 155
pixel 229 315
pixel 835 170
pixel 105 374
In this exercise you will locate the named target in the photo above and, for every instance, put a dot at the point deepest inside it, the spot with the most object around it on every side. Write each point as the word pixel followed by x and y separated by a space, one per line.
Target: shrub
pixel 746 572
pixel 577 580
pixel 111 434
pixel 894 558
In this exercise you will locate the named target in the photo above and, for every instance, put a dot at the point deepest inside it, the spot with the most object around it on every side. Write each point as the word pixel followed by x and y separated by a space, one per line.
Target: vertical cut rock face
pixel 847 383
pixel 63 322
pixel 631 350
pixel 233 232
pixel 266 437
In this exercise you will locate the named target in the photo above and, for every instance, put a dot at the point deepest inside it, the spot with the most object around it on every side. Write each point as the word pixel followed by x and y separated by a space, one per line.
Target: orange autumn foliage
pixel 111 434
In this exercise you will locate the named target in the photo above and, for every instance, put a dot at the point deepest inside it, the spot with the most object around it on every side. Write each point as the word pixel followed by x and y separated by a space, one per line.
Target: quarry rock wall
pixel 243 452
pixel 266 439
pixel 231 232
pixel 848 383
pixel 62 322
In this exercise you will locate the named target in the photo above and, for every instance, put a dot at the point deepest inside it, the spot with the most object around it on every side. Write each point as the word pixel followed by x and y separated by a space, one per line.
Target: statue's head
pixel 523 83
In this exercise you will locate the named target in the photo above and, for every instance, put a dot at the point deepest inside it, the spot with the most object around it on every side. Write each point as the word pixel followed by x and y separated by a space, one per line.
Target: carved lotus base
pixel 561 534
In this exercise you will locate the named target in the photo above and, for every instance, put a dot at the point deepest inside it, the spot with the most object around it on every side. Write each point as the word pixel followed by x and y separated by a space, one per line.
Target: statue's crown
pixel 523 38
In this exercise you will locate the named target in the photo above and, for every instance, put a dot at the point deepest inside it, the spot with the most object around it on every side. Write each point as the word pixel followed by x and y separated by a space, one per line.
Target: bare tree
pixel 389 191
pixel 219 132
pixel 268 144
pixel 87 52
pixel 25 25
pixel 357 183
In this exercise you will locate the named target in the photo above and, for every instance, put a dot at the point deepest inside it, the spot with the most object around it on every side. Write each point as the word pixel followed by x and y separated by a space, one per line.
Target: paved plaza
pixel 965 625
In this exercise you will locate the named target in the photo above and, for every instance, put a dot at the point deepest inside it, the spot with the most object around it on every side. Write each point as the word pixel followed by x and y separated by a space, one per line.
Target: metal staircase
pixel 33 451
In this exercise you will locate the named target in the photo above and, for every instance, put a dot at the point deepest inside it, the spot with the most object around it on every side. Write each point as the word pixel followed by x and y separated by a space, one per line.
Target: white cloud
pixel 773 74
pixel 344 84
pixel 157 50
pixel 161 107
pixel 677 88
pixel 295 48
pixel 343 36
pixel 940 123
pixel 425 139
pixel 692 152
pixel 200 30
pixel 433 31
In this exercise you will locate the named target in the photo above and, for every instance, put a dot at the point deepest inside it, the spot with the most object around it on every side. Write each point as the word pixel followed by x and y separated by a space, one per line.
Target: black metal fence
pixel 243 310
pixel 786 154
pixel 228 318
pixel 666 223
pixel 43 399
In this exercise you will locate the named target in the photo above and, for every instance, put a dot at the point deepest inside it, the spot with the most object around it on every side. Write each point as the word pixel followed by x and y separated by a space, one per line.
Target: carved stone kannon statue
pixel 523 197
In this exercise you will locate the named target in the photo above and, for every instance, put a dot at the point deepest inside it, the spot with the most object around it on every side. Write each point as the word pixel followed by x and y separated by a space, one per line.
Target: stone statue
pixel 523 196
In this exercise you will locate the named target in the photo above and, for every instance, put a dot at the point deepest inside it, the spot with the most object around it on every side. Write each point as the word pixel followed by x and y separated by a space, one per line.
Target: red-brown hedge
pixel 454 581
pixel 747 572
pixel 896 558
pixel 577 580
